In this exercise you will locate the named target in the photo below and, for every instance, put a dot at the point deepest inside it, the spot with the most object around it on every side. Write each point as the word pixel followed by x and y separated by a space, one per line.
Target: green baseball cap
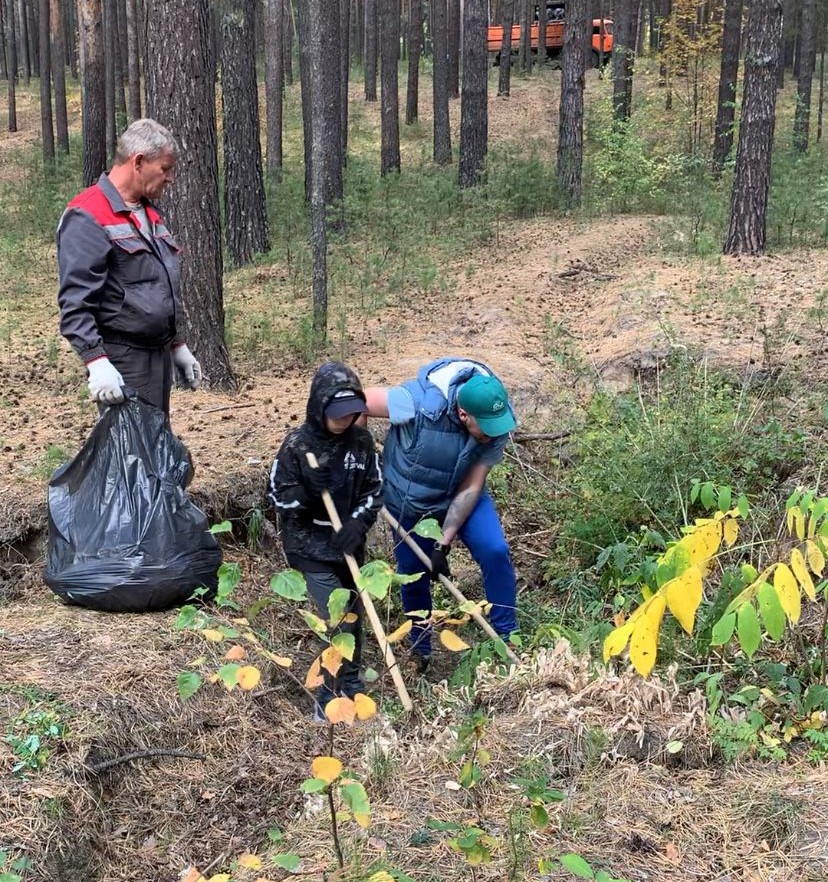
pixel 485 398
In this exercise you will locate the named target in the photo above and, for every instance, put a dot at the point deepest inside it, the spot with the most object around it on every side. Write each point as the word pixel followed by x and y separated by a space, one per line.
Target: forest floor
pixel 556 305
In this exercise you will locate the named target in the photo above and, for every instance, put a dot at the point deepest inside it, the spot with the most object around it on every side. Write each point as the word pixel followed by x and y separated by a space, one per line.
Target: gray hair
pixel 145 136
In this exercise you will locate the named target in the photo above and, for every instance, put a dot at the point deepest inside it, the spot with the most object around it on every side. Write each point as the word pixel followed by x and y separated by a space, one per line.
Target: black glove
pixel 350 538
pixel 439 562
pixel 316 480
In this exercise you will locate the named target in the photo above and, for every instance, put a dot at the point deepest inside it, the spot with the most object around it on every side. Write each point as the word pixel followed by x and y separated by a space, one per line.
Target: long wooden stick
pixel 367 602
pixel 447 583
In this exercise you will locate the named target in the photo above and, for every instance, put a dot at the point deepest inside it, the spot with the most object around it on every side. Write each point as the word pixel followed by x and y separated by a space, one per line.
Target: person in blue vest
pixel 449 426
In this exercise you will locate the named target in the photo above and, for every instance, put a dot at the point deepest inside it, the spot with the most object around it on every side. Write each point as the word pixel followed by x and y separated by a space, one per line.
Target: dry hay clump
pixel 110 682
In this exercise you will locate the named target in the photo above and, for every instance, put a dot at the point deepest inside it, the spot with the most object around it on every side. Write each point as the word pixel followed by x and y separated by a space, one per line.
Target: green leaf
pixel 723 629
pixel 223 527
pixel 10 877
pixel 428 528
pixel 290 584
pixel 743 506
pixel 375 578
pixel 400 876
pixel 442 826
pixel 748 630
pixel 355 797
pixel 315 623
pixel 229 674
pixel 370 675
pixel 346 644
pixel 288 862
pixel 674 746
pixel 577 866
pixel 725 498
pixel 188 682
pixel 771 610
pixel 337 604
pixel 275 835
pixel 708 499
pixel 403 579
pixel 229 576
pixel 313 785
pixel 694 490
pixel 539 816
pixel 189 618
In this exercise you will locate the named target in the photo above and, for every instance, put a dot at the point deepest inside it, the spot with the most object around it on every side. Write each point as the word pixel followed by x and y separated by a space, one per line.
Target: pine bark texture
pixel 802 115
pixel 371 49
pixel 245 209
pixel 47 129
pixel 415 49
pixel 577 28
pixel 542 32
pixel 623 58
pixel 749 200
pixel 453 26
pixel 93 89
pixel 504 80
pixel 25 61
pixel 133 62
pixel 109 40
pixel 728 77
pixel 58 65
pixel 442 127
pixel 11 64
pixel 302 28
pixel 274 45
pixel 389 104
pixel 344 74
pixel 474 105
pixel 180 88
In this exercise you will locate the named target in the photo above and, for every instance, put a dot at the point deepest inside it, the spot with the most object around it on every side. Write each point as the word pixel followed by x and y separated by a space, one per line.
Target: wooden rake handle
pixel 367 602
pixel 448 584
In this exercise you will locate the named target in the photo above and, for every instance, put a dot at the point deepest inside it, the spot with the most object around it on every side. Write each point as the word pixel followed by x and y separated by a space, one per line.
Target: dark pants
pixel 482 534
pixel 347 681
pixel 148 371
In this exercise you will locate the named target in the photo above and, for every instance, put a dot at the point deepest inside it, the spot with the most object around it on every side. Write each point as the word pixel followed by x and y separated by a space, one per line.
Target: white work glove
pixel 186 362
pixel 105 381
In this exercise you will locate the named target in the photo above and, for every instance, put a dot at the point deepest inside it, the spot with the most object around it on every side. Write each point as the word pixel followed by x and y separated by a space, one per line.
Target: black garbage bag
pixel 123 534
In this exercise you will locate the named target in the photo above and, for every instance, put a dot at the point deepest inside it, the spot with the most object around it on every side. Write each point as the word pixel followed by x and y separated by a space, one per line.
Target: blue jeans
pixel 483 535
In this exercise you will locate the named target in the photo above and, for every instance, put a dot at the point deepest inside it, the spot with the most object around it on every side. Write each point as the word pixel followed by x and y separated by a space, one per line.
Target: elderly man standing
pixel 119 274
pixel 449 426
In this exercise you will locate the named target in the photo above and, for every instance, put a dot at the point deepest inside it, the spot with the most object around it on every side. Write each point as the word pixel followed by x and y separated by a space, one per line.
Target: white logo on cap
pixel 497 406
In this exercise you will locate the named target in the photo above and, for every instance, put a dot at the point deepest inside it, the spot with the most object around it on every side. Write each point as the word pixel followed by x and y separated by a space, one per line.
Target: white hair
pixel 145 136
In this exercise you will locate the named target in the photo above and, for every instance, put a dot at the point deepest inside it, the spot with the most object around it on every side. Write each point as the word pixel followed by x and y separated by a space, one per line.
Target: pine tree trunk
pixel 70 30
pixel 821 94
pixel 542 32
pixel 474 105
pixel 93 89
pixel 133 62
pixel 4 72
pixel 389 104
pixel 525 46
pixel 749 200
pixel 58 65
pixel 25 63
pixel 357 34
pixel 109 23
pixel 802 115
pixel 415 49
pixel 453 24
pixel 274 44
pixel 11 64
pixel 371 41
pixel 728 77
pixel 622 59
pixel 332 105
pixel 245 210
pixel 313 35
pixel 504 80
pixel 288 29
pixel 32 29
pixel 344 73
pixel 577 28
pixel 119 51
pixel 47 129
pixel 180 88
pixel 304 37
pixel 442 126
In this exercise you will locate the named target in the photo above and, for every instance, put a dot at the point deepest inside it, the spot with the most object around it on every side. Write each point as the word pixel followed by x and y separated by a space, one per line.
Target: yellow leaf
pixel 381 876
pixel 341 710
pixel 363 819
pixel 644 639
pixel 811 526
pixel 331 660
pixel 400 632
pixel 788 592
pixel 248 677
pixel 250 862
pixel 731 531
pixel 282 660
pixel 703 542
pixel 789 520
pixel 314 676
pixel 802 574
pixel 452 642
pixel 350 618
pixel 683 595
pixel 799 522
pixel 328 768
pixel 220 877
pixel 242 622
pixel 235 653
pixel 616 641
pixel 212 635
pixel 365 706
pixel 191 874
pixel 816 559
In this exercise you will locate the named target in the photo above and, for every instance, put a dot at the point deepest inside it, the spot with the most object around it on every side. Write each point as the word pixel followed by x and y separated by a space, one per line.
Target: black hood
pixel 331 378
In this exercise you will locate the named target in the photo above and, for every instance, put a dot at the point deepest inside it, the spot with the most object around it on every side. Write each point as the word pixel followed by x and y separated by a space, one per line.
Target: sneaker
pixel 420 663
pixel 318 715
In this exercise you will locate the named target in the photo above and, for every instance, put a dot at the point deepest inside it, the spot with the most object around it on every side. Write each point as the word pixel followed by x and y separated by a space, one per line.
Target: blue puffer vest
pixel 423 468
